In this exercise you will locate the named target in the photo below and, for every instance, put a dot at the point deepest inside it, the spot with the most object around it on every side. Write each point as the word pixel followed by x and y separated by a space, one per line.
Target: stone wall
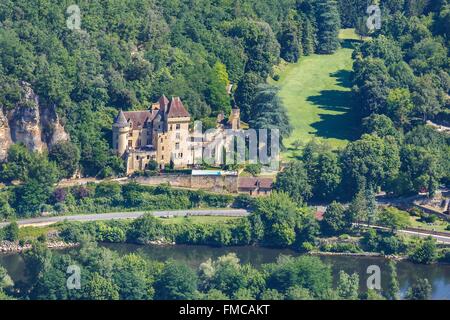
pixel 207 183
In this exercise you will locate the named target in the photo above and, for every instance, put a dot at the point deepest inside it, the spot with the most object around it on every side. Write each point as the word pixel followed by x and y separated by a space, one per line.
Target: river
pixel 437 274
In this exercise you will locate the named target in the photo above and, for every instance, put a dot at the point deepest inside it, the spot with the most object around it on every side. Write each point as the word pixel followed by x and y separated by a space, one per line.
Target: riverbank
pixel 16 247
pixel 360 254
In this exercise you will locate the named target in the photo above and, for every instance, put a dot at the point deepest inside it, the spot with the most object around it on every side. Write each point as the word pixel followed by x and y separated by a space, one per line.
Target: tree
pixel 217 95
pixel 268 111
pixel 348 286
pixel 334 221
pixel 176 282
pixel 394 218
pixel 298 293
pixel 261 45
pixel 383 48
pixel 306 272
pixel 425 252
pixel 372 82
pixel 393 289
pixel 278 215
pixel 328 26
pixel 294 181
pixel 228 276
pixel 100 288
pixel 399 106
pixel 17 166
pixel 380 125
pixel 11 232
pixel 421 290
pixel 357 210
pixel 5 279
pixel 426 98
pixel 290 39
pixel 370 162
pixel 323 170
pixel 132 278
pixel 66 156
pixel 246 92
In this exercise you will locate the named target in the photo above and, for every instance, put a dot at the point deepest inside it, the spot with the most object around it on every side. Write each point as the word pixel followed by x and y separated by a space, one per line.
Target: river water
pixel 408 273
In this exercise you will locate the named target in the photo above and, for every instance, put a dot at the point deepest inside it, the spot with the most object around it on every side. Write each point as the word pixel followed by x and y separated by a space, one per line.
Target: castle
pixel 160 134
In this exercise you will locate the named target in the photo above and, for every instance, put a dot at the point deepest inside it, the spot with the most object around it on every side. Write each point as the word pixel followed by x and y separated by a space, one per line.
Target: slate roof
pixel 253 183
pixel 177 109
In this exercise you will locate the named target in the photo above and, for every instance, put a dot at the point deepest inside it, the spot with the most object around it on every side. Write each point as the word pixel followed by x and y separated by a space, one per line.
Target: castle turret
pixel 235 119
pixel 120 134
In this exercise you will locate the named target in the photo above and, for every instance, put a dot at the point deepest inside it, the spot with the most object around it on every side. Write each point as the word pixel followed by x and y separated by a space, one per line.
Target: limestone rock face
pixel 5 135
pixel 28 123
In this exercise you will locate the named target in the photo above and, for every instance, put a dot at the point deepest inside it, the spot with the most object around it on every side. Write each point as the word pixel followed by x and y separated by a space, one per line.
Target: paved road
pixel 130 215
pixel 421 234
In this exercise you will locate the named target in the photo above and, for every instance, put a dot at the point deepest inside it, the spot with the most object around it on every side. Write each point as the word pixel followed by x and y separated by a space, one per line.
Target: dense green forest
pixel 128 53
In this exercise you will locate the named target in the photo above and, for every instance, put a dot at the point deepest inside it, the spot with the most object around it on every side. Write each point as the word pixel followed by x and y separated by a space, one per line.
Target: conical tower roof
pixel 121 120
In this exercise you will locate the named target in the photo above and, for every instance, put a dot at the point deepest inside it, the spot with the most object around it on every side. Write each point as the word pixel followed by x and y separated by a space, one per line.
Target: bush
pixel 428 218
pixel 425 252
pixel 11 232
pixel 253 169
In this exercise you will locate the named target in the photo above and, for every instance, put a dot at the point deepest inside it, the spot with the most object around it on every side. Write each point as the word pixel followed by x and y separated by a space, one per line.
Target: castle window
pixel 177 146
pixel 130 143
pixel 177 136
pixel 178 126
pixel 171 127
pixel 148 157
pixel 162 157
pixel 162 148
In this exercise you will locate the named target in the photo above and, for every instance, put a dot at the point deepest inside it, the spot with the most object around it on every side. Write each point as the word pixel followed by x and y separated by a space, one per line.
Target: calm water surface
pixel 438 274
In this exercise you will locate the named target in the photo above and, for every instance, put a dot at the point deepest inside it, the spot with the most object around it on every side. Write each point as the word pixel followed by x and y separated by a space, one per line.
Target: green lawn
pixel 198 219
pixel 317 94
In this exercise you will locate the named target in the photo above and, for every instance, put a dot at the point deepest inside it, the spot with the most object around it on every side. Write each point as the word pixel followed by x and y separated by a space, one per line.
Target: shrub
pixel 11 232
pixel 425 252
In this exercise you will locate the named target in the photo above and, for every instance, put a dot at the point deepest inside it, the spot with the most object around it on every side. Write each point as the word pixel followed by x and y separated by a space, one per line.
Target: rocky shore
pixel 15 247
pixel 357 254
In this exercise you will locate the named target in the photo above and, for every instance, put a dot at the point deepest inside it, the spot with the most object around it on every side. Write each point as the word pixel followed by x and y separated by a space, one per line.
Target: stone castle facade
pixel 161 134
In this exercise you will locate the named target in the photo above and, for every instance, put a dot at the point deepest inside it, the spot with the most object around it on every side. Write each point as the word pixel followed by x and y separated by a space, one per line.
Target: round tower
pixel 121 129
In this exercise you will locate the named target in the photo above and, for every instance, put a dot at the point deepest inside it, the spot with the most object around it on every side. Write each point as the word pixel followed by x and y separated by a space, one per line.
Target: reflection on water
pixel 408 273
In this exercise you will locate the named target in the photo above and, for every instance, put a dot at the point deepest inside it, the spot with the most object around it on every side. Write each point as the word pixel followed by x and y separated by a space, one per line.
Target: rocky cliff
pixel 36 127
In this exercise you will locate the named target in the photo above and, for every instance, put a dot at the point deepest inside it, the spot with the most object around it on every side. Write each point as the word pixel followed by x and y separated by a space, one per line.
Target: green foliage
pixel 176 282
pixel 11 232
pixel 328 26
pixel 293 180
pixel 393 290
pixel 348 286
pixel 394 218
pixel 279 216
pixel 425 252
pixel 334 221
pixel 66 156
pixel 370 162
pixel 421 290
pixel 307 272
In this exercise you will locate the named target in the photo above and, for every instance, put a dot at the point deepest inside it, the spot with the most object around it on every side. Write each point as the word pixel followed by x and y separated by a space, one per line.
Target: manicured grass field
pixel 198 219
pixel 317 94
